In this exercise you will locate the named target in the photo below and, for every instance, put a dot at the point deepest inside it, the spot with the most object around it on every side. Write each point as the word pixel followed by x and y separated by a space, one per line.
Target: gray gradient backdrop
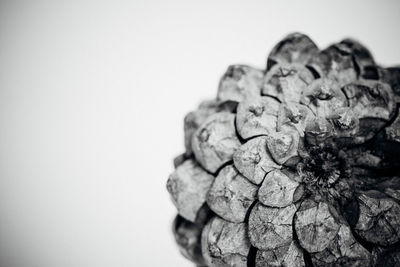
pixel 92 98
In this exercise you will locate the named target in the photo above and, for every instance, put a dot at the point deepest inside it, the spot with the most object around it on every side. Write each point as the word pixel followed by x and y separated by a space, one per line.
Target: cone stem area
pixel 322 168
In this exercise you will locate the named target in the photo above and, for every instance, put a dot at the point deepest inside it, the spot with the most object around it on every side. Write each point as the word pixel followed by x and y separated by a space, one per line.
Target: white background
pixel 92 98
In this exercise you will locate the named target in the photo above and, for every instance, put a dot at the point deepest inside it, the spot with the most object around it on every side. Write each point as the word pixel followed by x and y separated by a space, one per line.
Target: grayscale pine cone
pixel 294 165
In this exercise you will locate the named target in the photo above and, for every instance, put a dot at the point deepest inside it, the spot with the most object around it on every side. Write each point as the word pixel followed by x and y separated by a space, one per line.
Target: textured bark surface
pixel 294 165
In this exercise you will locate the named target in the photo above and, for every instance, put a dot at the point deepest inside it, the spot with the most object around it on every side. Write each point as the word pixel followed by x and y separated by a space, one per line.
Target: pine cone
pixel 297 165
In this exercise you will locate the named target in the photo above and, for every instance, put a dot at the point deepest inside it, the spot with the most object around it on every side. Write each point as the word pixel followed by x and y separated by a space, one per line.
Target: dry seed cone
pixel 294 165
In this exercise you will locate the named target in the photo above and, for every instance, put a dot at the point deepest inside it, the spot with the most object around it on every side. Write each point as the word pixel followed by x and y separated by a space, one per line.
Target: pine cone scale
pixel 296 165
